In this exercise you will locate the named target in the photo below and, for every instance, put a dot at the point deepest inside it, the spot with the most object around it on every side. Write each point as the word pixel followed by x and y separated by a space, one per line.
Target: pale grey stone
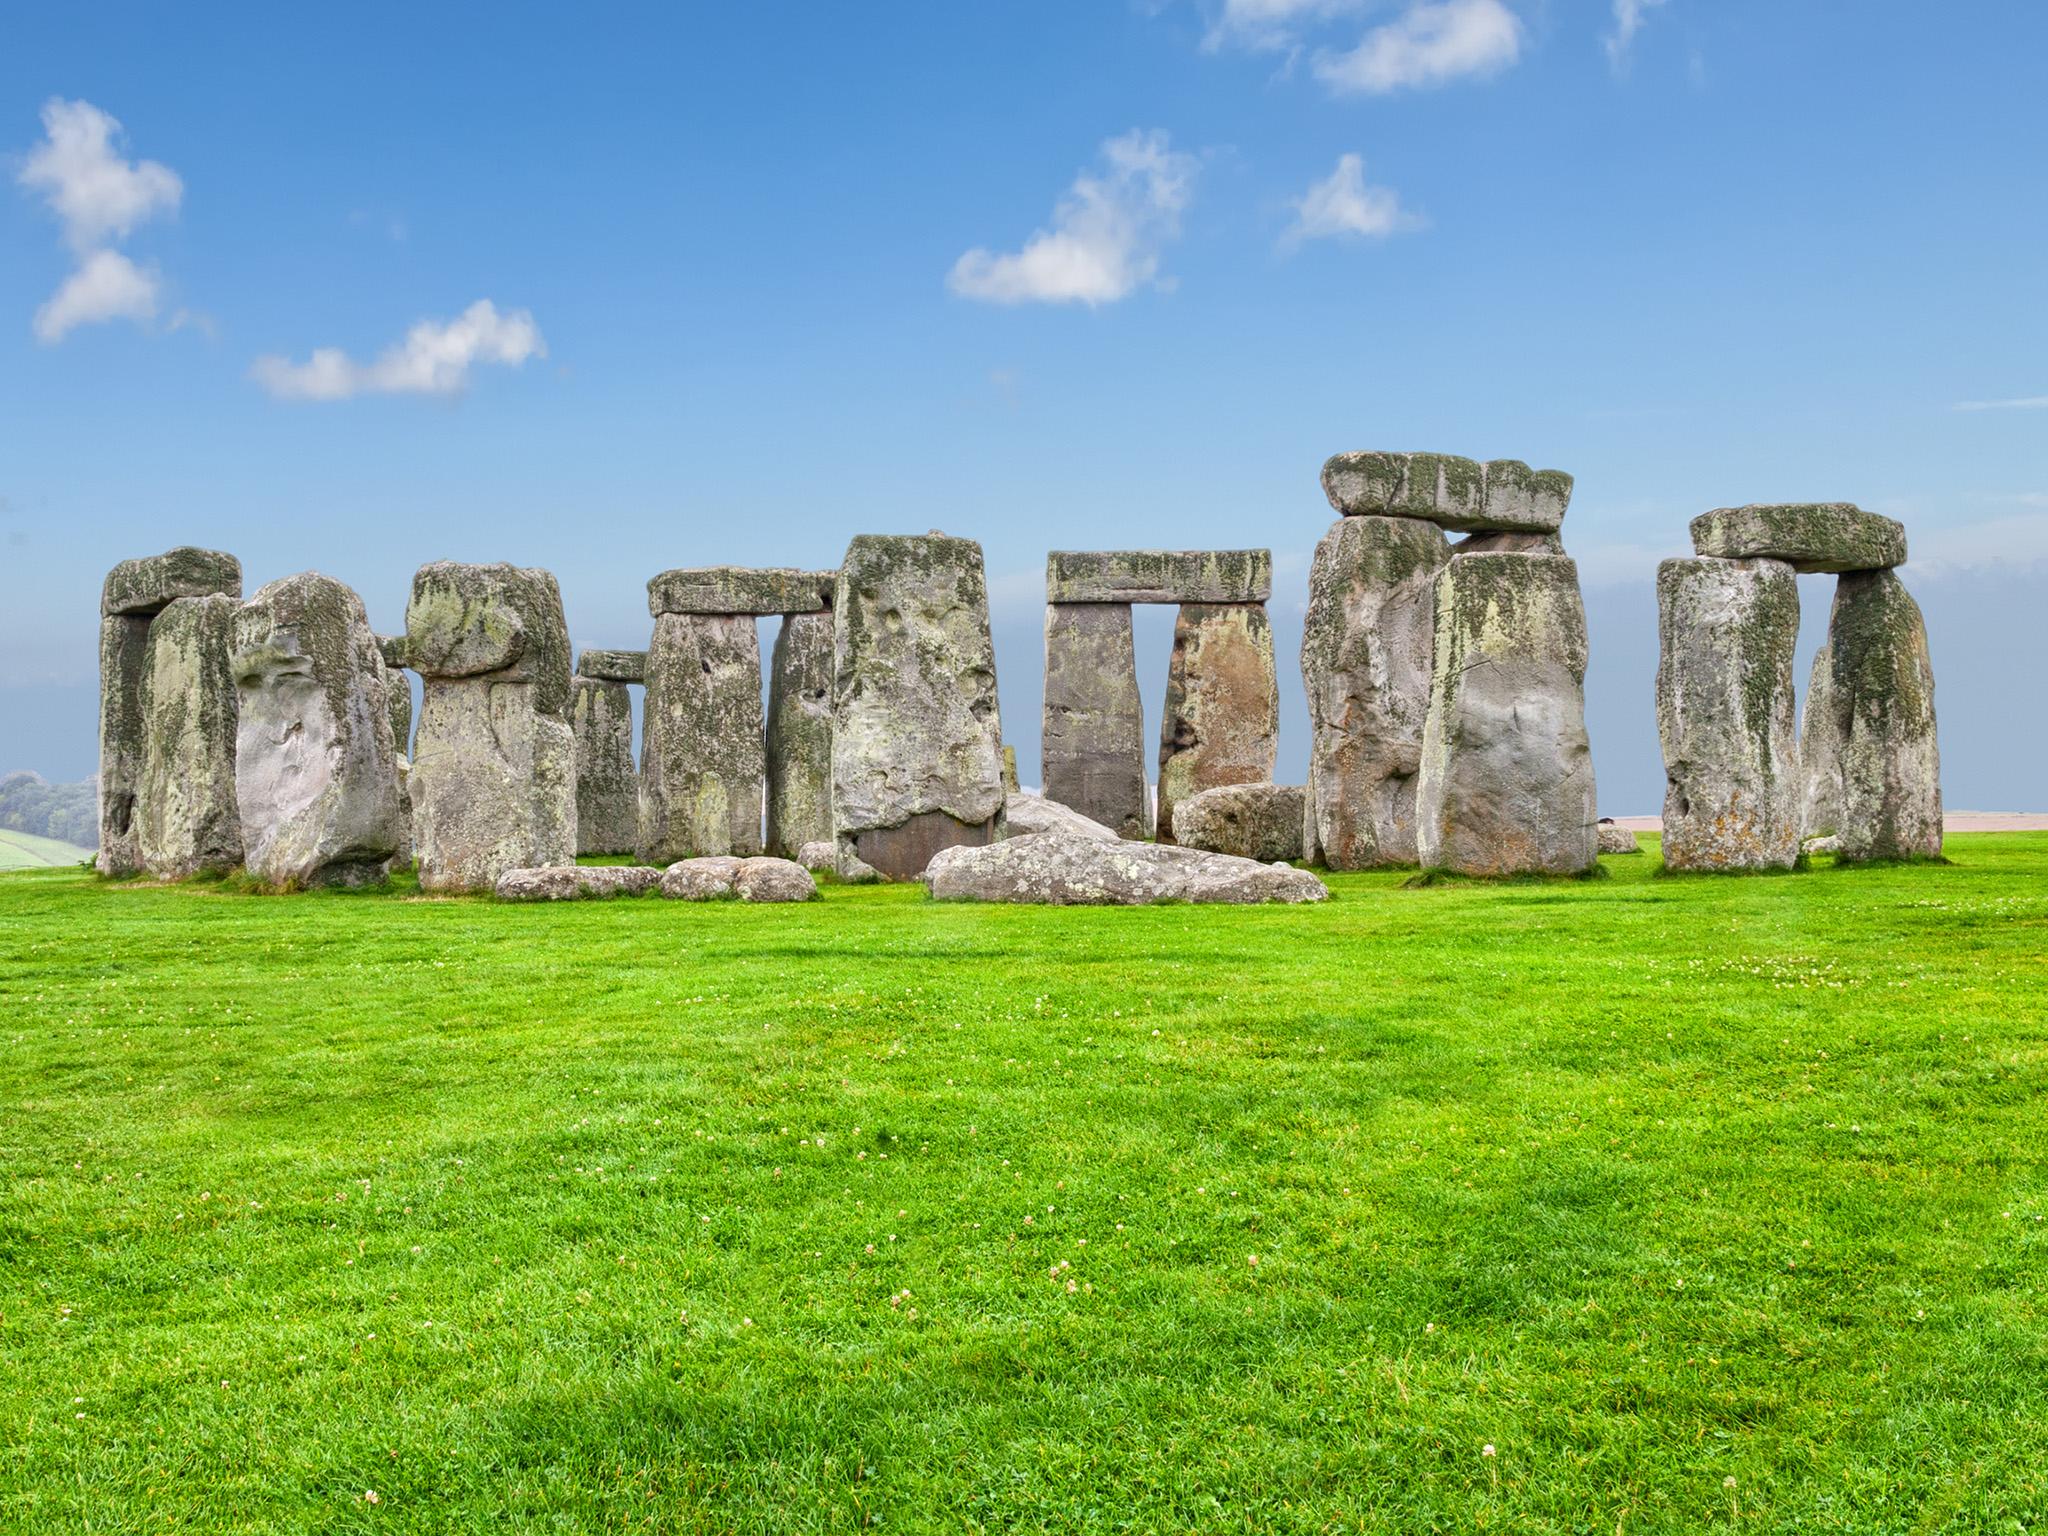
pixel 1808 536
pixel 1820 752
pixel 316 768
pixel 613 666
pixel 799 742
pixel 821 857
pixel 1057 870
pixel 1159 576
pixel 1726 631
pixel 702 755
pixel 1252 821
pixel 145 587
pixel 1880 698
pixel 1026 815
pixel 916 729
pixel 571 882
pixel 186 818
pixel 709 877
pixel 852 869
pixel 1092 737
pixel 499 621
pixel 1617 839
pixel 398 708
pixel 607 789
pixel 1508 544
pixel 1500 495
pixel 1365 650
pixel 1506 782
pixel 771 879
pixel 734 589
pixel 1827 844
pixel 1222 718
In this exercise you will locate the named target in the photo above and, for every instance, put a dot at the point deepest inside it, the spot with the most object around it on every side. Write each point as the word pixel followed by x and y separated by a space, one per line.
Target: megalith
pixel 1222 718
pixel 1726 632
pixel 1092 736
pixel 136 591
pixel 316 762
pixel 1820 752
pixel 185 813
pixel 607 790
pixel 916 729
pixel 701 756
pixel 494 762
pixel 1365 664
pixel 1878 712
pixel 1506 779
pixel 800 734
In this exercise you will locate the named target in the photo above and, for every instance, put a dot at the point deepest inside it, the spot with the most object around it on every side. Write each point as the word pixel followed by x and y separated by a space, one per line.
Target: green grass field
pixel 19 850
pixel 1642 1204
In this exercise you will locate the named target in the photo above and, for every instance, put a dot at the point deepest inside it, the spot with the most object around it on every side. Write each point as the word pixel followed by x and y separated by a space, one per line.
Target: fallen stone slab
pixel 612 666
pixel 186 817
pixel 1027 815
pixel 703 759
pixel 821 857
pixel 736 589
pixel 708 877
pixel 1221 722
pixel 607 788
pixel 1880 696
pixel 723 878
pixel 799 734
pixel 1808 536
pixel 1252 821
pixel 1617 839
pixel 1092 726
pixel 149 585
pixel 1058 870
pixel 572 882
pixel 1503 495
pixel 1159 576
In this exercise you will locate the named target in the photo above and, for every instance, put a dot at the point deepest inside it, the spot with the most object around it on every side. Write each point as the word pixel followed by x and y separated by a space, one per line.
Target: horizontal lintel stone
pixel 151 584
pixel 1159 576
pixel 738 589
pixel 1811 537
pixel 1500 495
pixel 612 666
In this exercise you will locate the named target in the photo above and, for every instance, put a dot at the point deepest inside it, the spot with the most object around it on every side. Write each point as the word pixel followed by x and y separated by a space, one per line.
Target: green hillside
pixel 19 850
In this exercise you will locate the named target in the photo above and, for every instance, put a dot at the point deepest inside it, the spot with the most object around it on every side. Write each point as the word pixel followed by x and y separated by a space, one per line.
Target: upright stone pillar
pixel 187 822
pixel 1820 752
pixel 494 762
pixel 398 694
pixel 701 757
pixel 136 591
pixel 607 790
pixel 800 734
pixel 1365 649
pixel 1506 782
pixel 1880 706
pixel 316 763
pixel 1726 631
pixel 1222 719
pixel 1092 746
pixel 916 730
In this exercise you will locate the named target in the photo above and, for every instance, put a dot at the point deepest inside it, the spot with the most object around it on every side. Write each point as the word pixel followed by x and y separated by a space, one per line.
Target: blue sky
pixel 1076 275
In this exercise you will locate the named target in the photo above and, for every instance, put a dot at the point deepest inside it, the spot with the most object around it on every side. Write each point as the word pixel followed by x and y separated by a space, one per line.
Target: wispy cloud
pixel 1107 232
pixel 434 359
pixel 106 286
pixel 2000 543
pixel 1628 21
pixel 1432 43
pixel 1269 24
pixel 2021 403
pixel 1343 206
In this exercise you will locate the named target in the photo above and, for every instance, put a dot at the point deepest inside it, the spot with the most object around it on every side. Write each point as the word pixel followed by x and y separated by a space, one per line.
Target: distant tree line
pixel 68 812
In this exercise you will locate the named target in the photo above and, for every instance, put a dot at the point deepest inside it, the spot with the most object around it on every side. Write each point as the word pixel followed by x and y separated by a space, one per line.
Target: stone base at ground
pixel 607 788
pixel 703 763
pixel 571 882
pixel 799 736
pixel 1028 814
pixel 1881 697
pixel 1614 839
pixel 1092 735
pixel 1222 718
pixel 1061 871
pixel 1252 821
pixel 723 878
pixel 187 819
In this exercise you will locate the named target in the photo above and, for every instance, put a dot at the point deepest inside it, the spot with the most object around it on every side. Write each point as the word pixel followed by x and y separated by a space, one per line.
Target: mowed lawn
pixel 24 850
pixel 1638 1204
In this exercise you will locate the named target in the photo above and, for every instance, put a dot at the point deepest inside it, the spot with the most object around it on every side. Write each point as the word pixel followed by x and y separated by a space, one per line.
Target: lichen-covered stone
pixel 1508 544
pixel 1027 815
pixel 1009 769
pixel 771 879
pixel 1159 576
pixel 607 789
pixel 1808 536
pixel 1365 648
pixel 1252 821
pixel 1056 870
pixel 916 728
pixel 501 621
pixel 1820 753
pixel 1617 839
pixel 1880 697
pixel 398 708
pixel 1726 632
pixel 186 818
pixel 1502 494
pixel 316 768
pixel 709 877
pixel 392 649
pixel 613 666
pixel 1222 718
pixel 735 589
pixel 1092 730
pixel 821 857
pixel 571 882
pixel 147 586
pixel 702 755
pixel 800 734
pixel 1506 780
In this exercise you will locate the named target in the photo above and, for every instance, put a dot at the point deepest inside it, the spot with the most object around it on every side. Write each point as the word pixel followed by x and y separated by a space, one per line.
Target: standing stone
pixel 1726 632
pixel 1880 708
pixel 916 729
pixel 1092 741
pixel 701 764
pixel 186 819
pixel 1222 719
pixel 494 763
pixel 800 734
pixel 1820 752
pixel 1365 648
pixel 398 707
pixel 316 766
pixel 134 592
pixel 1506 782
pixel 607 791
pixel 1010 784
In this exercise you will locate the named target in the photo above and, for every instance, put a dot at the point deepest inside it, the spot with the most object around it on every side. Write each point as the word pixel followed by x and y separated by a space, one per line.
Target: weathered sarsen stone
pixel 1053 869
pixel 800 734
pixel 734 589
pixel 613 666
pixel 1252 821
pixel 1222 718
pixel 1808 536
pixel 1502 494
pixel 916 729
pixel 701 752
pixel 1820 752
pixel 1092 737
pixel 1365 649
pixel 1726 631
pixel 1506 782
pixel 1615 838
pixel 316 768
pixel 145 587
pixel 1880 703
pixel 493 775
pixel 607 789
pixel 1027 815
pixel 571 882
pixel 1159 576
pixel 185 813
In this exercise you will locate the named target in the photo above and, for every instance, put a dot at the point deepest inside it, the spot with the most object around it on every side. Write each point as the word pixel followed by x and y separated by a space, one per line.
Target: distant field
pixel 1635 1204
pixel 18 850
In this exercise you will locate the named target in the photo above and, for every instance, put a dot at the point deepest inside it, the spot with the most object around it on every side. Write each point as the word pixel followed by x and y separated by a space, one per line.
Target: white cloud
pixel 106 286
pixel 1268 24
pixel 1343 206
pixel 2023 403
pixel 1628 21
pixel 434 359
pixel 99 196
pixel 1433 42
pixel 1106 235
